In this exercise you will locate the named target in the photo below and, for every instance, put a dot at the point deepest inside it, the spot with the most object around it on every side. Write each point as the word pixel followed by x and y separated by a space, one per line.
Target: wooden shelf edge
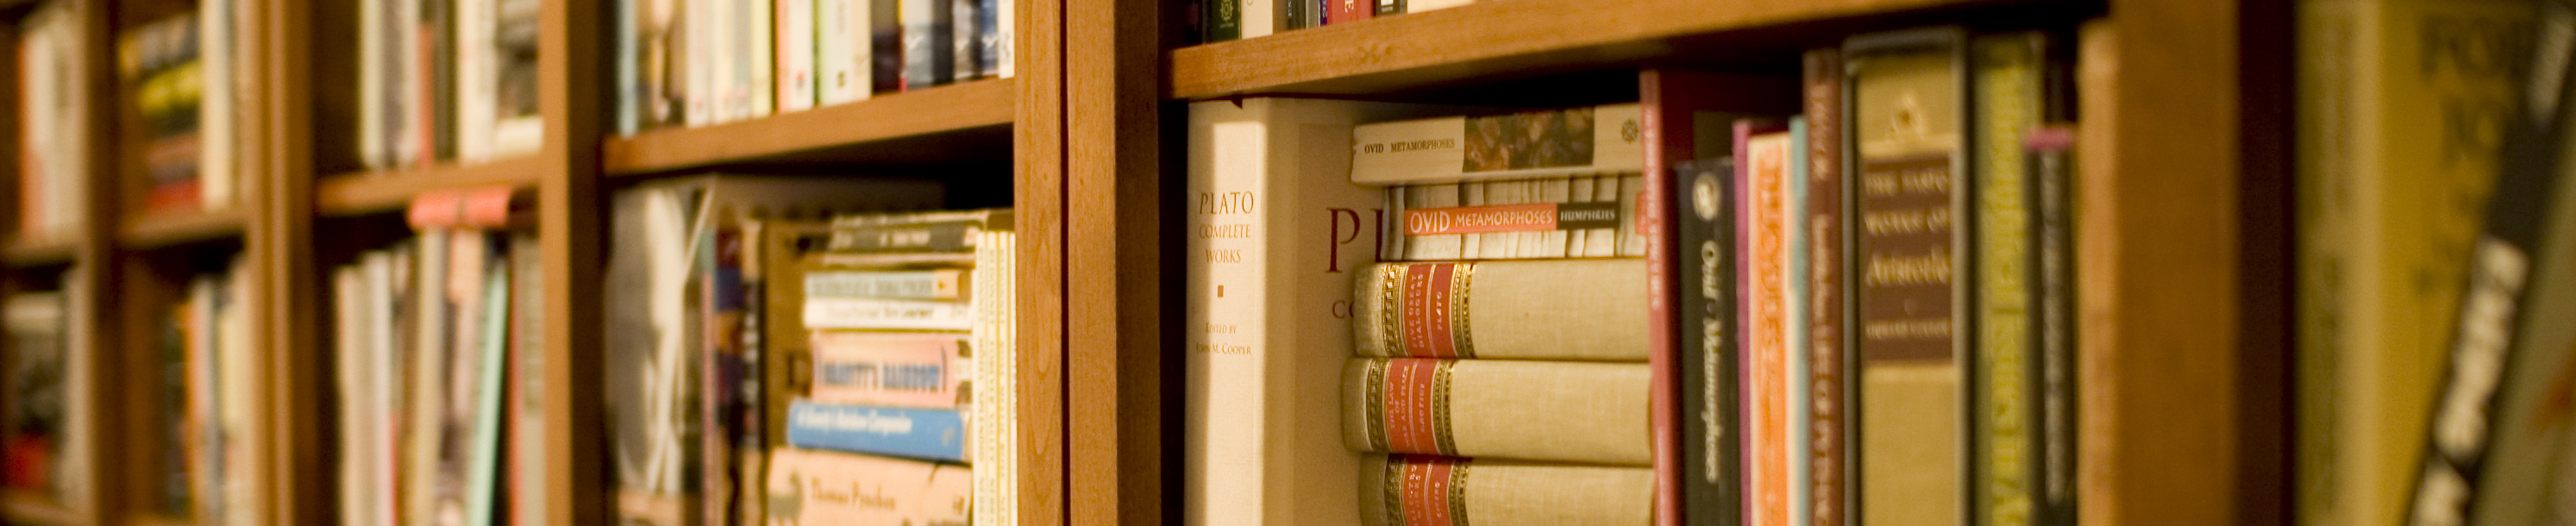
pixel 154 230
pixel 957 107
pixel 357 193
pixel 156 519
pixel 20 252
pixel 1492 37
pixel 20 507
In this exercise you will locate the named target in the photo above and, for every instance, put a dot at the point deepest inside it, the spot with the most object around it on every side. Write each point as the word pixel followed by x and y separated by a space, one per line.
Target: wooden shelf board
pixel 163 229
pixel 891 124
pixel 369 192
pixel 1510 39
pixel 33 252
pixel 156 519
pixel 20 507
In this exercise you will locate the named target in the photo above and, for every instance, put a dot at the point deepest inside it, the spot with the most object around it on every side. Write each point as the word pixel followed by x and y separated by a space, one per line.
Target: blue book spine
pixel 924 434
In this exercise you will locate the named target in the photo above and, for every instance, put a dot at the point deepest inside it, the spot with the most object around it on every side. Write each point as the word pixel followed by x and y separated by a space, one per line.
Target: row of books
pixel 210 377
pixel 780 344
pixel 184 89
pixel 1223 20
pixel 36 384
pixel 1744 300
pixel 53 127
pixel 700 62
pixel 2436 231
pixel 446 80
pixel 435 345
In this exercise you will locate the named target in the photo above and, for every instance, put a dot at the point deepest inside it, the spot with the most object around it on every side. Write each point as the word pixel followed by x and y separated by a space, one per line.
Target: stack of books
pixel 446 80
pixel 35 380
pixel 700 62
pixel 896 317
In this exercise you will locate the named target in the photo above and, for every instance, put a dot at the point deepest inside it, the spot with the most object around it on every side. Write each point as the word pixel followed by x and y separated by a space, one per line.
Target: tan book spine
pixel 1420 490
pixel 1557 411
pixel 1562 309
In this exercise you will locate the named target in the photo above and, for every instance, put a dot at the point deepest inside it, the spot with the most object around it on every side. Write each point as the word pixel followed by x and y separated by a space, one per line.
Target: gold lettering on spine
pixel 1395 466
pixel 1440 407
pixel 1374 383
pixel 1460 281
pixel 1458 492
pixel 1390 310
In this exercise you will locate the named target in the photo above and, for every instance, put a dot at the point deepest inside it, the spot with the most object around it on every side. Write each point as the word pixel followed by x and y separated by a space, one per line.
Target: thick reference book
pixel 1554 217
pixel 1908 93
pixel 1277 234
pixel 926 434
pixel 1556 411
pixel 1398 490
pixel 1554 309
pixel 1530 144
pixel 2009 94
pixel 1828 463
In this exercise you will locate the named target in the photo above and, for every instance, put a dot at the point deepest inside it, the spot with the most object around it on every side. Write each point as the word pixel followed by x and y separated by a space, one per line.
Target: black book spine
pixel 2052 169
pixel 886 32
pixel 1705 350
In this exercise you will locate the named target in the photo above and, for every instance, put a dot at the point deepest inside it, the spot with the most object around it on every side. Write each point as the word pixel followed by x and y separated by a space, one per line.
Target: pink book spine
pixel 888 369
pixel 1761 243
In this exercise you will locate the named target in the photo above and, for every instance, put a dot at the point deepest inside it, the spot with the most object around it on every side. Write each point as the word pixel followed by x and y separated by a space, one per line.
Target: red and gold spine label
pixel 1408 403
pixel 1423 490
pixel 1522 217
pixel 1429 309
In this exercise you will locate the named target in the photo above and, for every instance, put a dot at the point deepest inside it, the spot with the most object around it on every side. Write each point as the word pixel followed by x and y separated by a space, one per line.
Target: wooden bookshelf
pixel 175 228
pixel 19 507
pixel 367 192
pixel 19 252
pixel 982 104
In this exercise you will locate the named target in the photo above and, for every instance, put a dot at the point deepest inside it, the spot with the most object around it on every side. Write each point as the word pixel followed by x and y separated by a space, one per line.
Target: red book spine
pixel 1827 450
pixel 1666 129
pixel 1347 11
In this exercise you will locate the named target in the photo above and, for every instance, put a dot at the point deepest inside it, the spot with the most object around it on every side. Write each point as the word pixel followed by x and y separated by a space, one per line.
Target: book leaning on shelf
pixel 434 343
pixel 444 81
pixel 37 381
pixel 53 130
pixel 702 62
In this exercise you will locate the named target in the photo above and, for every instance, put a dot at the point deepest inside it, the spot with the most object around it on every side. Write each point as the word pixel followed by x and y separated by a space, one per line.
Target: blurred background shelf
pixel 960 121
pixel 371 192
pixel 157 230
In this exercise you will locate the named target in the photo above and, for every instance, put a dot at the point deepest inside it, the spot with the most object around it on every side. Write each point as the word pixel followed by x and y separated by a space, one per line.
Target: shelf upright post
pixel 1038 200
pixel 105 497
pixel 1120 321
pixel 278 235
pixel 570 85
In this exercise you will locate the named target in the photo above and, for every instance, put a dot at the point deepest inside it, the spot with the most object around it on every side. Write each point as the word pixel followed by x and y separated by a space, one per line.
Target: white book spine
pixel 841 51
pixel 697 39
pixel 729 79
pixel 868 313
pixel 759 58
pixel 1262 17
pixel 216 109
pixel 476 83
pixel 1006 44
pixel 348 292
pixel 796 33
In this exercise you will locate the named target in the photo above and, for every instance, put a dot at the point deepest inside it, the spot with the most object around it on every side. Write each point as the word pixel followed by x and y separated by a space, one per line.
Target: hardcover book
pixel 1908 100
pixel 823 487
pixel 1560 217
pixel 1770 252
pixel 1556 411
pixel 1421 489
pixel 926 370
pixel 1828 464
pixel 1574 141
pixel 925 434
pixel 1501 309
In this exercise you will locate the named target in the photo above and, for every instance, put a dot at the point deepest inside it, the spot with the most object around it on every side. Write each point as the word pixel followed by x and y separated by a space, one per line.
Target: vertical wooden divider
pixel 278 236
pixel 1115 239
pixel 104 499
pixel 1041 158
pixel 569 91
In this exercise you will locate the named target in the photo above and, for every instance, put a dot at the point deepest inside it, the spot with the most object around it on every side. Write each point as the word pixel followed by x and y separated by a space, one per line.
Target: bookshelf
pixel 2184 238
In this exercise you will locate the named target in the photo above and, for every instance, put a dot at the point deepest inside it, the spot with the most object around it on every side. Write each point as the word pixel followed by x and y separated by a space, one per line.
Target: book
pixel 917 433
pixel 917 232
pixel 823 487
pixel 53 128
pixel 527 459
pixel 993 37
pixel 885 50
pixel 1769 255
pixel 965 39
pixel 1573 141
pixel 1423 489
pixel 518 128
pixel 2489 436
pixel 797 33
pixel 926 48
pixel 1348 11
pixel 477 77
pixel 1557 411
pixel 1278 235
pixel 755 80
pixel 1908 98
pixel 998 406
pixel 885 314
pixel 1559 217
pixel 161 71
pixel 925 370
pixel 924 284
pixel 35 380
pixel 2054 316
pixel 843 60
pixel 1828 464
pixel 2008 94
pixel 1501 309
pixel 221 100
pixel 2388 202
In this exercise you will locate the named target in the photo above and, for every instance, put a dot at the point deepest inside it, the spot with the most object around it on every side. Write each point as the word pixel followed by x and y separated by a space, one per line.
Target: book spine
pixel 374 149
pixel 1480 310
pixel 1260 18
pixel 2052 182
pixel 1910 193
pixel 796 34
pixel 475 84
pixel 1710 371
pixel 1795 391
pixel 890 369
pixel 759 54
pixel 1580 216
pixel 991 44
pixel 997 400
pixel 823 487
pixel 697 40
pixel 1555 411
pixel 2492 310
pixel 941 284
pixel 215 113
pixel 440 33
pixel 1348 11
pixel 1006 38
pixel 483 482
pixel 1828 459
pixel 1574 141
pixel 1762 153
pixel 1399 490
pixel 926 434
pixel 885 314
pixel 886 45
pixel 920 42
pixel 841 53
pixel 1389 7
pixel 1224 20
pixel 964 41
pixel 951 234
pixel 2007 90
